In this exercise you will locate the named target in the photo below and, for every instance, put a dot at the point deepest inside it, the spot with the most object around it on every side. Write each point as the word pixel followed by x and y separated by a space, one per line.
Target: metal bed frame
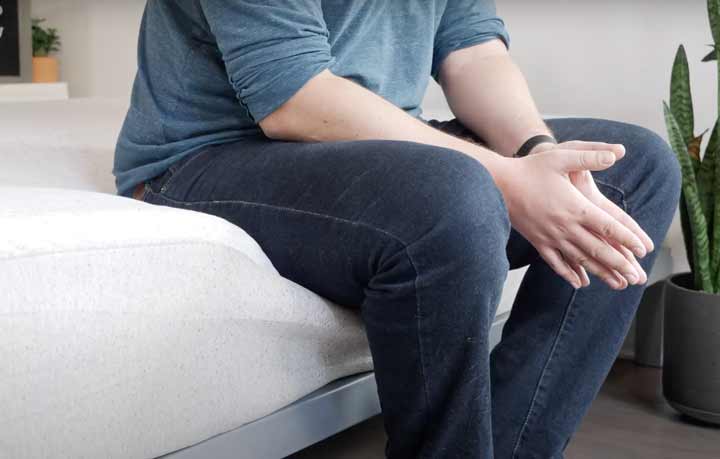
pixel 315 417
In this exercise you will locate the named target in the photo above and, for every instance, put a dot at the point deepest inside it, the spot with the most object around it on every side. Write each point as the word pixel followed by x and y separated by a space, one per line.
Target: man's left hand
pixel 585 183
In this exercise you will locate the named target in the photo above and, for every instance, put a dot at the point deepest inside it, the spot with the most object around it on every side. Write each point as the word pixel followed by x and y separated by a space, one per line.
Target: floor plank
pixel 628 420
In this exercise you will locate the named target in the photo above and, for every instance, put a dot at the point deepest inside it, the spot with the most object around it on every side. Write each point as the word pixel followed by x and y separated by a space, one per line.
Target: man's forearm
pixel 489 95
pixel 330 108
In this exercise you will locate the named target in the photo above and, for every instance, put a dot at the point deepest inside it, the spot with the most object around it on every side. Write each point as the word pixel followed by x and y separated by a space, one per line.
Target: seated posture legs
pixel 559 342
pixel 418 237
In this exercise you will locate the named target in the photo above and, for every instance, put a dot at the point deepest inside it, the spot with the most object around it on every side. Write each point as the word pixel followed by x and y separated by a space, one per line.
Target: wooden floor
pixel 628 420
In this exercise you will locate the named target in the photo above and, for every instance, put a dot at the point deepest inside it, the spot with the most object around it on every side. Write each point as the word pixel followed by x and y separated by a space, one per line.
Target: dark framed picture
pixel 15 41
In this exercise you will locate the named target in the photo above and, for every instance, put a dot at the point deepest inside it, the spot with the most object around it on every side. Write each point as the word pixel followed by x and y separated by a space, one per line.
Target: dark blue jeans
pixel 418 238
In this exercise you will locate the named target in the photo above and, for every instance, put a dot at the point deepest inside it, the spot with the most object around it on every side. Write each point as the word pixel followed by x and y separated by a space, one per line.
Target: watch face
pixel 9 39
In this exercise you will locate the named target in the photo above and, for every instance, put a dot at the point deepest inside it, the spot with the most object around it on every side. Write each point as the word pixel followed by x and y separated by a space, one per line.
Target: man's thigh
pixel 326 214
pixel 646 151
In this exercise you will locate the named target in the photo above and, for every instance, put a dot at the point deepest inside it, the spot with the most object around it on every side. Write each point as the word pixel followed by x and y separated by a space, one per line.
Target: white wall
pixel 611 58
pixel 99 39
pixel 607 58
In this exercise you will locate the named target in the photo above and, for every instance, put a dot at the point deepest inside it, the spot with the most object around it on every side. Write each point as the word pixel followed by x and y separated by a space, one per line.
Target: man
pixel 299 122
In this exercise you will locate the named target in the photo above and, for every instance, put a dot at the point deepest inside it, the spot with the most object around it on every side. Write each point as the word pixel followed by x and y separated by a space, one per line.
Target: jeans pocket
pixel 163 182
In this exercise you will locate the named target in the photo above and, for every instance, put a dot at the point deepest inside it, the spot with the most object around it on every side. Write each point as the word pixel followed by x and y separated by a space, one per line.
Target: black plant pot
pixel 691 369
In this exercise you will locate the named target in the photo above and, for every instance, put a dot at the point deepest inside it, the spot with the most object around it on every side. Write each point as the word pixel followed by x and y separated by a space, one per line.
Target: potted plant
pixel 691 377
pixel 45 42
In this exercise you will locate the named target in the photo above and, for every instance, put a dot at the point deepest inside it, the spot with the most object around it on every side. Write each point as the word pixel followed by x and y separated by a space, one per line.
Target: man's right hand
pixel 565 227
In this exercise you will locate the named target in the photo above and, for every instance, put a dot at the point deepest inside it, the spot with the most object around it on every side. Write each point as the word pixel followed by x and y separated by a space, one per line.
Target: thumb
pixel 587 160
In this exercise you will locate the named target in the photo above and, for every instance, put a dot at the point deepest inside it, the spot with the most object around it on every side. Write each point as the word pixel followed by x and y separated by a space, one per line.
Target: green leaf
pixel 708 182
pixel 705 176
pixel 696 163
pixel 45 41
pixel 714 15
pixel 681 103
pixel 686 232
pixel 706 179
pixel 714 149
pixel 696 217
pixel 715 232
pixel 713 143
pixel 712 153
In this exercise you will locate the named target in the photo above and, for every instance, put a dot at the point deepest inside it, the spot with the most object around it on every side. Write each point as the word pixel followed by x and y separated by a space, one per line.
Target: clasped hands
pixel 554 202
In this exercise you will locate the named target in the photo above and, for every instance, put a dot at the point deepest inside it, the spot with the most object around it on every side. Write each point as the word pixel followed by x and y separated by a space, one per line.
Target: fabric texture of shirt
pixel 210 70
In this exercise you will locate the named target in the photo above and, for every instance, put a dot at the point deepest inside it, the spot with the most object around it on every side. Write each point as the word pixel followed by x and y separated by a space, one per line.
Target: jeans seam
pixel 342 220
pixel 561 329
pixel 283 208
pixel 543 373
pixel 419 334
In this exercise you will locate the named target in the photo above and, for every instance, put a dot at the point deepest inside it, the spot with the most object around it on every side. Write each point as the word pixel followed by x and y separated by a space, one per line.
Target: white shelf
pixel 33 92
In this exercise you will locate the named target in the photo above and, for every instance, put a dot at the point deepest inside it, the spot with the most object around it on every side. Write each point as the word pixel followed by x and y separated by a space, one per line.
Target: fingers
pixel 580 271
pixel 577 256
pixel 605 254
pixel 600 222
pixel 583 160
pixel 617 149
pixel 618 214
pixel 553 258
pixel 631 258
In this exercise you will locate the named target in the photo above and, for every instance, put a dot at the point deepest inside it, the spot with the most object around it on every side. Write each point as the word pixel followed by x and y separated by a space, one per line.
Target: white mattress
pixel 130 330
pixel 119 344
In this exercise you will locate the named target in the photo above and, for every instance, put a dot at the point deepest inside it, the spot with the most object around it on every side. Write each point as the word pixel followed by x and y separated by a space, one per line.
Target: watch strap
pixel 533 142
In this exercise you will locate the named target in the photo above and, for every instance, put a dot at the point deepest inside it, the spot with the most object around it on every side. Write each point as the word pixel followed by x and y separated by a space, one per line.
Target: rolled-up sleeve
pixel 466 23
pixel 271 48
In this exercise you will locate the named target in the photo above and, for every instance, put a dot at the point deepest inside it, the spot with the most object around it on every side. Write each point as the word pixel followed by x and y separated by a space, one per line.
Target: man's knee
pixel 655 161
pixel 648 175
pixel 461 217
pixel 460 237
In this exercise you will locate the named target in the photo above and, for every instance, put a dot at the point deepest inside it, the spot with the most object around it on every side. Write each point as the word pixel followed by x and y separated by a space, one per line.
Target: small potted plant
pixel 691 375
pixel 46 41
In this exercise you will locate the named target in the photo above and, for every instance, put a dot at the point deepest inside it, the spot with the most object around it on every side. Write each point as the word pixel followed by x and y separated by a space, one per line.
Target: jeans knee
pixel 650 170
pixel 659 163
pixel 465 216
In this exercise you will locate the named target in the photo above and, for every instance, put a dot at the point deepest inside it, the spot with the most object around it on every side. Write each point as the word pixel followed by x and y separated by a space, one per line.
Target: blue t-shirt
pixel 210 70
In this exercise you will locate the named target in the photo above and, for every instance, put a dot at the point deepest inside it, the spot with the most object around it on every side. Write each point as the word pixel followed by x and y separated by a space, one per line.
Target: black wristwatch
pixel 533 142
